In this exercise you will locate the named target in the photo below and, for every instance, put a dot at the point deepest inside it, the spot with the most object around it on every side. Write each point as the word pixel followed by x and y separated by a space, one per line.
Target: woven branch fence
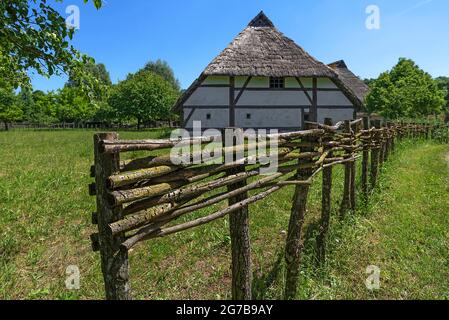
pixel 141 199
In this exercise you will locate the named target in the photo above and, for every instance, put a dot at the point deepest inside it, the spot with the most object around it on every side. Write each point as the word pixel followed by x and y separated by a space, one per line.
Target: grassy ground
pixel 45 227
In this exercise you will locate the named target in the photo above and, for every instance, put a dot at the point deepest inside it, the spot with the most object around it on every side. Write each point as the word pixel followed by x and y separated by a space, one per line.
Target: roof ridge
pixel 338 64
pixel 261 21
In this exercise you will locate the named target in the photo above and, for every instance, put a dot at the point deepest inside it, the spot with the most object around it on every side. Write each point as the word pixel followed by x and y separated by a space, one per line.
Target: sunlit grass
pixel 45 214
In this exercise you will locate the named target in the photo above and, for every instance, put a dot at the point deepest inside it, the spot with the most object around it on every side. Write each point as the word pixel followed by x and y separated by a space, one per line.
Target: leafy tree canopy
pixel 443 84
pixel 34 36
pixel 144 96
pixel 9 109
pixel 163 69
pixel 98 70
pixel 405 91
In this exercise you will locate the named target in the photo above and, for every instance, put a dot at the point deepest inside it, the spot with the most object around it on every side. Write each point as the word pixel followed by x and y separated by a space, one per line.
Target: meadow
pixel 45 224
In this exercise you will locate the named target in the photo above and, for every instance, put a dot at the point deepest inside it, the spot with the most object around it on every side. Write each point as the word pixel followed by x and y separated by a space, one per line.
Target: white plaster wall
pixel 326 83
pixel 322 83
pixel 272 98
pixel 335 114
pixel 219 118
pixel 291 82
pixel 214 80
pixel 268 118
pixel 209 96
pixel 332 98
pixel 256 82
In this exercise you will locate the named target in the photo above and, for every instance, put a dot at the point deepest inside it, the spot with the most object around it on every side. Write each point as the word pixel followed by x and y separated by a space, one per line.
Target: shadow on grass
pixel 262 283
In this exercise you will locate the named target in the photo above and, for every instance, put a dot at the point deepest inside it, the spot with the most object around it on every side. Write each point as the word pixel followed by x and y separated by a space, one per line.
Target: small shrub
pixel 441 135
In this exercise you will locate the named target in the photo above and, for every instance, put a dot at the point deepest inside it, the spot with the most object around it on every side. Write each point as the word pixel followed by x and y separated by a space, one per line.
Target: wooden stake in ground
pixel 325 207
pixel 382 144
pixel 352 189
pixel 346 201
pixel 240 240
pixel 365 161
pixel 114 263
pixel 375 155
pixel 294 246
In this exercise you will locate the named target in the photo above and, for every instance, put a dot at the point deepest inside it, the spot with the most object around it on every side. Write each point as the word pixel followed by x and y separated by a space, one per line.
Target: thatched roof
pixel 359 88
pixel 261 50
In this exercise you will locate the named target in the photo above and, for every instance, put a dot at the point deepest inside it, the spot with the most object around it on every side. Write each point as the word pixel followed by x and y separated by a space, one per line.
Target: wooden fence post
pixel 387 141
pixel 375 155
pixel 382 144
pixel 114 263
pixel 393 137
pixel 239 233
pixel 365 160
pixel 353 163
pixel 346 201
pixel 325 206
pixel 293 245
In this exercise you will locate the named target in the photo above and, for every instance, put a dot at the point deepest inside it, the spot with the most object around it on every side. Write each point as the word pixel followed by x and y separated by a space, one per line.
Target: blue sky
pixel 188 34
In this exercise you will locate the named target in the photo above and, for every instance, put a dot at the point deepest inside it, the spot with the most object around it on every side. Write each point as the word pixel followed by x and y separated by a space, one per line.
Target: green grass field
pixel 45 225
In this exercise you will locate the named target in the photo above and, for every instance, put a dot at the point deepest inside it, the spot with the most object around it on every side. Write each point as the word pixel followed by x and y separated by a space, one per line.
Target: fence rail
pixel 85 125
pixel 142 198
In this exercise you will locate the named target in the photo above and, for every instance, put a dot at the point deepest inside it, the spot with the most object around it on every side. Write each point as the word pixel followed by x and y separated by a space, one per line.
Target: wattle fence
pixel 141 199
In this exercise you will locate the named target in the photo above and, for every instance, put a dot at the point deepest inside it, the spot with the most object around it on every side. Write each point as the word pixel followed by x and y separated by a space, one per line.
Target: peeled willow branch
pixel 147 162
pixel 327 128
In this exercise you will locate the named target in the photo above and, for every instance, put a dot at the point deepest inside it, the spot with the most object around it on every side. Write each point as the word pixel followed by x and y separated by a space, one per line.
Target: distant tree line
pixel 35 37
pixel 142 98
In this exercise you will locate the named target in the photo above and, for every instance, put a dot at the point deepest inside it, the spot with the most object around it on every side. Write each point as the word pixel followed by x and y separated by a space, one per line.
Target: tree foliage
pixel 9 109
pixel 97 73
pixel 443 84
pixel 163 69
pixel 34 36
pixel 144 96
pixel 405 91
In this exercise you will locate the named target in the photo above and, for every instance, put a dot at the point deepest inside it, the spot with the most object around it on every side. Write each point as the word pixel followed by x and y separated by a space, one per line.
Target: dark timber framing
pixel 301 89
pixel 232 102
pixel 313 110
pixel 235 93
pixel 190 115
pixel 242 90
pixel 304 90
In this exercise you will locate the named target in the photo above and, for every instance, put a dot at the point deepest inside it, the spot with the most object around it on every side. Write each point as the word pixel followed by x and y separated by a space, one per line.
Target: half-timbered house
pixel 265 80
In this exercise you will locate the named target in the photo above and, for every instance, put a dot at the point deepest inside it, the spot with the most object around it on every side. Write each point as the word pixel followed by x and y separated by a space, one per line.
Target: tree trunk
pixel 6 125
